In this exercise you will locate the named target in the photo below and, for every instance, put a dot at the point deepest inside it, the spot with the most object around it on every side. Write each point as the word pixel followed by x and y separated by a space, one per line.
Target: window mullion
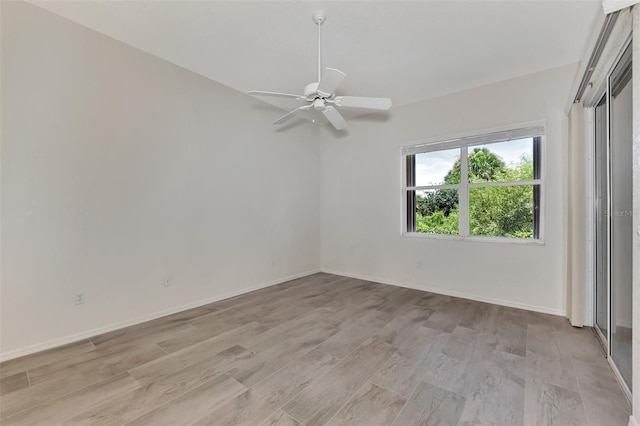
pixel 537 150
pixel 430 187
pixel 410 168
pixel 463 194
pixel 506 183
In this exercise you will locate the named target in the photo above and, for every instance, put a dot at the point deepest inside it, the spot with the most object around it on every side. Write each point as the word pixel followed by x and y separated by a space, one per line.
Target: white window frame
pixel 463 141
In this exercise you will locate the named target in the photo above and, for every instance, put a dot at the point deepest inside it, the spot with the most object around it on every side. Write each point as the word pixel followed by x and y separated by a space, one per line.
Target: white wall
pixel 119 169
pixel 361 198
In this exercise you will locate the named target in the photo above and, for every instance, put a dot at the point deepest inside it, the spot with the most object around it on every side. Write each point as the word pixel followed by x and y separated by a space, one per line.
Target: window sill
pixel 499 240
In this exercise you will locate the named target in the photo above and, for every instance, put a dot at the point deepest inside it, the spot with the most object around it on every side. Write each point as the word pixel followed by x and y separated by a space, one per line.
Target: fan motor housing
pixel 310 90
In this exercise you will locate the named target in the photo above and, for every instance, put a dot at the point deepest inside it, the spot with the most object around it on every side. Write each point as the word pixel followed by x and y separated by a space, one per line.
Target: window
pixel 487 185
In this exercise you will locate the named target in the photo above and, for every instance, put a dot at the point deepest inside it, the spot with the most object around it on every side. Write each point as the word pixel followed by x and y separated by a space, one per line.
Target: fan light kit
pixel 321 95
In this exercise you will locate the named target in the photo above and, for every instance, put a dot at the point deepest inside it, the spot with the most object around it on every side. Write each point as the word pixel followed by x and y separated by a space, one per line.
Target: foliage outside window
pixel 486 186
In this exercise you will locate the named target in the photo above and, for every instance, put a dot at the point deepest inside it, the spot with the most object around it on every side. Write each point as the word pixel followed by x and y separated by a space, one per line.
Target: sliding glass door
pixel 602 219
pixel 621 214
pixel 613 216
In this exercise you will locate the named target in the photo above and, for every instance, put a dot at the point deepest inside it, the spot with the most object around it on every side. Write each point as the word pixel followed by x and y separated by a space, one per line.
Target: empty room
pixel 320 213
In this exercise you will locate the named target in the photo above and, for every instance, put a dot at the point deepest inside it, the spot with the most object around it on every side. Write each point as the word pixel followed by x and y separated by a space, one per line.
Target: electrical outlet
pixel 79 298
pixel 167 282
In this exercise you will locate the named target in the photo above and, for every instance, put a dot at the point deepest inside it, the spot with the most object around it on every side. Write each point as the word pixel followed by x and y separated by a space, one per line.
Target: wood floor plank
pixel 274 358
pixel 507 330
pixel 602 397
pixel 455 364
pixel 395 301
pixel 76 365
pixel 358 298
pixel 197 353
pixel 551 405
pixel 280 418
pixel 191 406
pixel 74 375
pixel 510 338
pixel 101 362
pixel 323 399
pixel 497 397
pixel 159 389
pixel 195 339
pixel 226 320
pixel 557 371
pixel 545 323
pixel 569 345
pixel 371 405
pixel 346 313
pixel 302 303
pixel 550 343
pixel 13 383
pixel 57 411
pixel 192 314
pixel 581 345
pixel 431 405
pixel 8 368
pixel 448 315
pixel 432 300
pixel 293 311
pixel 480 317
pixel 257 403
pixel 148 332
pixel 400 373
pixel 290 331
pixel 405 323
pixel 282 290
pixel 258 305
pixel 207 367
pixel 345 341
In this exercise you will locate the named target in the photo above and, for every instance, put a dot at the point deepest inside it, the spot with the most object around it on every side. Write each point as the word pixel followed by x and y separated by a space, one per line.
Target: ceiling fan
pixel 321 96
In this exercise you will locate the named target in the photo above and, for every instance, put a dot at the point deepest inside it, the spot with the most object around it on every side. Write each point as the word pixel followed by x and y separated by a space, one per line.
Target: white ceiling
pixel 406 50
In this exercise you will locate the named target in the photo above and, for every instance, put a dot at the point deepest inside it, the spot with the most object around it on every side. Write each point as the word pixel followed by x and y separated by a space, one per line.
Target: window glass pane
pixel 437 211
pixel 501 162
pixel 438 167
pixel 502 211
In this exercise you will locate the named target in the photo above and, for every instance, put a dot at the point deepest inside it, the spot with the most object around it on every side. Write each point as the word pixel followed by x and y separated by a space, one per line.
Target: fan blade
pixel 335 118
pixel 330 81
pixel 363 102
pixel 274 94
pixel 291 113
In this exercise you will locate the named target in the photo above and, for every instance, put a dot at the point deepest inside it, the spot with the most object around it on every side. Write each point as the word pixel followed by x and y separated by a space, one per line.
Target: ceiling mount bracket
pixel 319 16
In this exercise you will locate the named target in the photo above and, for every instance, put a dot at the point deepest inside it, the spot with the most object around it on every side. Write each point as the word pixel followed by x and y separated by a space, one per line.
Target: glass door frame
pixel 605 340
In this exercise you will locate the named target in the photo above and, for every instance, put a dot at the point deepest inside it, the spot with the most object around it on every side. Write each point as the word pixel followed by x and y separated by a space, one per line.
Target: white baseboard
pixel 632 421
pixel 446 292
pixel 16 353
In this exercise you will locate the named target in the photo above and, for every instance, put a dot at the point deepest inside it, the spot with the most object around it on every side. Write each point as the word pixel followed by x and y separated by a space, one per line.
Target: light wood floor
pixel 324 350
